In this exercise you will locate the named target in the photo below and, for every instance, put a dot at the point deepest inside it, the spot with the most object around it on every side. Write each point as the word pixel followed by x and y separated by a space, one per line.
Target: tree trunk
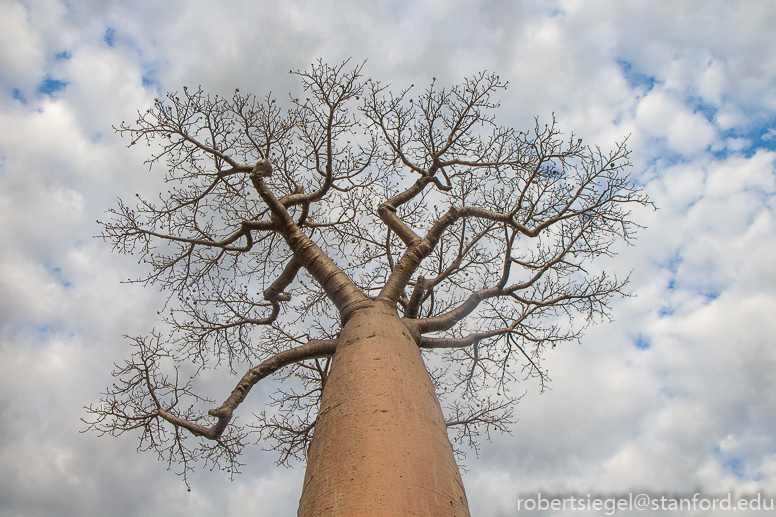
pixel 380 445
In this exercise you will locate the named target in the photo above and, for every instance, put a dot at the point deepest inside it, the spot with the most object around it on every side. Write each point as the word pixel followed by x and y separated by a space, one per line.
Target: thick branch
pixel 411 311
pixel 338 286
pixel 387 211
pixel 312 350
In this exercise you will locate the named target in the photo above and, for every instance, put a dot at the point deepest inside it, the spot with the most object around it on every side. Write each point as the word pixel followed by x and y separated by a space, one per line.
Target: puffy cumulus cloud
pixel 33 45
pixel 708 49
pixel 660 116
pixel 674 395
pixel 30 34
pixel 22 53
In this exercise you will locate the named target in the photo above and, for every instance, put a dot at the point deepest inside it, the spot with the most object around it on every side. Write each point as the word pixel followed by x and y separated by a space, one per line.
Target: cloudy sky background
pixel 677 395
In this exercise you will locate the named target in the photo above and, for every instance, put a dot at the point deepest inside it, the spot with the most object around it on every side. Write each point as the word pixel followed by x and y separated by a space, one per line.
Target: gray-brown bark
pixel 338 212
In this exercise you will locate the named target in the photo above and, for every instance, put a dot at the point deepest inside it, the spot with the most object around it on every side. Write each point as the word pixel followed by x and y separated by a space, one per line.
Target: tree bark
pixel 380 445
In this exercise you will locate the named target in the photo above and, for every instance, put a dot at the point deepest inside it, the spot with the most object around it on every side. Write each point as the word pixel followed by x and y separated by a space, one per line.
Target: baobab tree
pixel 346 241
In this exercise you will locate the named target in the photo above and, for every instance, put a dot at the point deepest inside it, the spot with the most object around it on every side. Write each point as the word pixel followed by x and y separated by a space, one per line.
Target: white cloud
pixel 661 115
pixel 21 53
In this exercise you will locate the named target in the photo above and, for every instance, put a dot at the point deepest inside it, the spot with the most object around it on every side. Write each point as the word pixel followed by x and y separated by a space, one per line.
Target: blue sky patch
pixel 731 464
pixel 44 332
pixel 110 36
pixel 63 55
pixel 761 136
pixel 18 95
pixel 703 108
pixel 663 157
pixel 734 465
pixel 49 86
pixel 150 82
pixel 57 272
pixel 642 342
pixel 673 263
pixel 634 79
pixel 764 138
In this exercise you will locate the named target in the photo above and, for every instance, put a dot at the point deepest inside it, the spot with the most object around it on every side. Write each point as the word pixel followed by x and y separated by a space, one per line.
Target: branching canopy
pixel 282 218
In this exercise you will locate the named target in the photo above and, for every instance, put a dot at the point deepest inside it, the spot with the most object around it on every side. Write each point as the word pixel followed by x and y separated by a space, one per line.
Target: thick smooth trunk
pixel 380 445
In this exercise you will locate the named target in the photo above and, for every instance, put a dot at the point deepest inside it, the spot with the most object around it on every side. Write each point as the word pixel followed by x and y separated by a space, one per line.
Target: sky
pixel 677 395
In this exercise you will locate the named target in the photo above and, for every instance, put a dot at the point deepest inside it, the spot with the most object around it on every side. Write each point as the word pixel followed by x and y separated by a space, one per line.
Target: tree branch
pixel 312 350
pixel 338 286
pixel 411 310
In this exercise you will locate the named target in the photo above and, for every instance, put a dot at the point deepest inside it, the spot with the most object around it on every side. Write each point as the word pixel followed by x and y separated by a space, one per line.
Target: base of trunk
pixel 380 444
